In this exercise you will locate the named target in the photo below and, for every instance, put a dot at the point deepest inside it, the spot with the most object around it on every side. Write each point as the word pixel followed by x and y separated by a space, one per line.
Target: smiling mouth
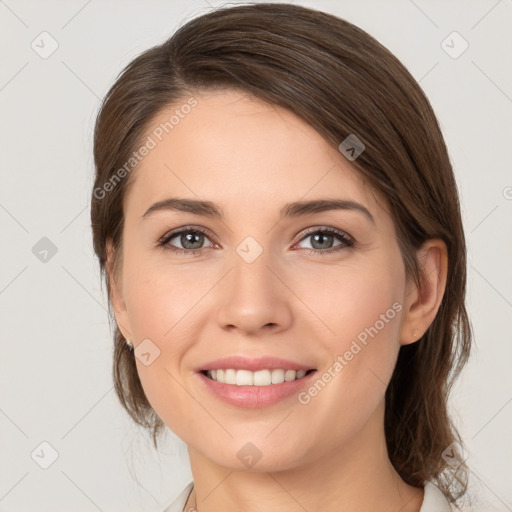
pixel 258 378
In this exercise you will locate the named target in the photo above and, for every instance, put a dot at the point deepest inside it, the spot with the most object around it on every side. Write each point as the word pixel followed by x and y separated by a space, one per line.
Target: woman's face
pixel 258 285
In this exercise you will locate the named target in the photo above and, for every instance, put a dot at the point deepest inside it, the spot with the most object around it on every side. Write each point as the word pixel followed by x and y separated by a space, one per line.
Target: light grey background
pixel 55 360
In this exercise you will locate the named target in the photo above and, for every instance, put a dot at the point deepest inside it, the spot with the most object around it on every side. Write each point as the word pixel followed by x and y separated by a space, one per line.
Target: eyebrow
pixel 295 209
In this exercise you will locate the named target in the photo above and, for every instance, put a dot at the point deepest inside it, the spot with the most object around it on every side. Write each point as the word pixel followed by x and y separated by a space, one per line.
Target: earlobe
pixel 422 303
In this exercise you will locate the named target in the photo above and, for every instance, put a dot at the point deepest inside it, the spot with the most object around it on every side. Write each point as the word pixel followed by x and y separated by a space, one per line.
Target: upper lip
pixel 253 364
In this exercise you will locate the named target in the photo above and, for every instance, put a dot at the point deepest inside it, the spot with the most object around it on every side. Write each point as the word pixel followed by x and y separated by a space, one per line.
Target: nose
pixel 254 297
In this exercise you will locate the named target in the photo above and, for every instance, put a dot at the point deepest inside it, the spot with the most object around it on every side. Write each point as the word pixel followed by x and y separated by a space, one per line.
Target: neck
pixel 352 477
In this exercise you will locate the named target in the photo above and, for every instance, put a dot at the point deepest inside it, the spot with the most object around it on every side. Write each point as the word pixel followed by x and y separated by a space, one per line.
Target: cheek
pixel 160 299
pixel 352 300
pixel 361 318
pixel 158 313
pixel 164 306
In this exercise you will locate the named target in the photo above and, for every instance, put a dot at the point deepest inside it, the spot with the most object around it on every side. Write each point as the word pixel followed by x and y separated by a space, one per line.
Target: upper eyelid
pixel 329 229
pixel 187 229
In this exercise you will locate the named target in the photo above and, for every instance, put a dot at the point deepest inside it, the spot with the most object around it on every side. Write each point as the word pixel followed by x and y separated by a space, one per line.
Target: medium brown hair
pixel 342 82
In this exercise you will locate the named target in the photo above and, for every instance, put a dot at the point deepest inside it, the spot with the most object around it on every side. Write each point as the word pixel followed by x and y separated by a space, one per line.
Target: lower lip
pixel 254 397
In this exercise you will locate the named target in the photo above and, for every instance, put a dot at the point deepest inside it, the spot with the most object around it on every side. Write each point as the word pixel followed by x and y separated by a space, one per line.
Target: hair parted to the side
pixel 341 81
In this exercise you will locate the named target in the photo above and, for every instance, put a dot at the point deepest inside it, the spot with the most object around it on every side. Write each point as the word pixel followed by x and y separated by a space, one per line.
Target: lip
pixel 254 397
pixel 253 364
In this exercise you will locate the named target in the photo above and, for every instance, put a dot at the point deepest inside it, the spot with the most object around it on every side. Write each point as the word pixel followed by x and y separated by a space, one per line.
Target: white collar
pixel 434 500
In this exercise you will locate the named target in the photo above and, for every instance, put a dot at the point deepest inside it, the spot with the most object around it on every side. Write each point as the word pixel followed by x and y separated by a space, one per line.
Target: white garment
pixel 434 500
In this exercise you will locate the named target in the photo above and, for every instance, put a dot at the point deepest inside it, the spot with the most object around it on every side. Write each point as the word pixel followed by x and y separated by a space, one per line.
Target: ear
pixel 117 295
pixel 422 303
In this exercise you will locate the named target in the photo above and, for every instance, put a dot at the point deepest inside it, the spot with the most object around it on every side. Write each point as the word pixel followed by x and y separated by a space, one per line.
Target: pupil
pixel 188 238
pixel 320 235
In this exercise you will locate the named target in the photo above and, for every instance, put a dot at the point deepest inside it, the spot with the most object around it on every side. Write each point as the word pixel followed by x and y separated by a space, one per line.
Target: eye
pixel 322 240
pixel 190 239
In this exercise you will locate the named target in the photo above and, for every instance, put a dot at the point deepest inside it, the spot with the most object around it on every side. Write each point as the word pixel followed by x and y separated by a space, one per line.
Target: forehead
pixel 235 149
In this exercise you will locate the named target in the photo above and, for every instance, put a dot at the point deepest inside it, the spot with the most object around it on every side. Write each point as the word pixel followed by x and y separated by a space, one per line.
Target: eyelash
pixel 347 241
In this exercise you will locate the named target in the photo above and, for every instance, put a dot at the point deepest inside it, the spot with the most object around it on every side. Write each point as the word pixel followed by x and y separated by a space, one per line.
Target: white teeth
pixel 259 378
pixel 277 376
pixel 243 378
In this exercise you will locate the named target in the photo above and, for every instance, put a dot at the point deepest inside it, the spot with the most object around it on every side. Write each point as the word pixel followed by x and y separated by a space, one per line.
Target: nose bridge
pixel 251 273
pixel 254 296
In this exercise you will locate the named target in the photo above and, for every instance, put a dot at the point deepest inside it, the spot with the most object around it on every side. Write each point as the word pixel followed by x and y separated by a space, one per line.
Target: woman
pixel 277 218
